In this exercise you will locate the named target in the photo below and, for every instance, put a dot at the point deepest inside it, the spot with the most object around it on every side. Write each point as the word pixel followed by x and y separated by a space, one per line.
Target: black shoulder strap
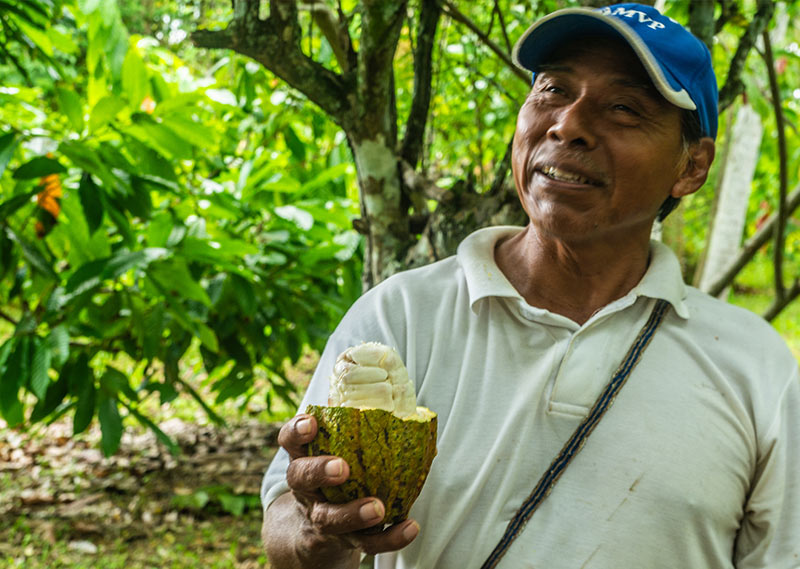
pixel 578 438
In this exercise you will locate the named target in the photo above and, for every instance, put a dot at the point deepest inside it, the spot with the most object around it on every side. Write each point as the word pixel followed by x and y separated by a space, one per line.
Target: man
pixel 512 340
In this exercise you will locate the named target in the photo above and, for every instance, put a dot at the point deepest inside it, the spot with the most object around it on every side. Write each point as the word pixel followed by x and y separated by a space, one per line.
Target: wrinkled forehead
pixel 599 54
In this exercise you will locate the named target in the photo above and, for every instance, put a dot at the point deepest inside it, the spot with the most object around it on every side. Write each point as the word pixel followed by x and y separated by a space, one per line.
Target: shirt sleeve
pixel 769 536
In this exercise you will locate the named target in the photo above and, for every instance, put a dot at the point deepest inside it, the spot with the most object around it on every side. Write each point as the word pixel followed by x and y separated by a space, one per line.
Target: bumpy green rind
pixel 389 458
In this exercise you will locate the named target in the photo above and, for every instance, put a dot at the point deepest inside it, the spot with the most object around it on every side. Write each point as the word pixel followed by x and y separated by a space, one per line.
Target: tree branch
pixel 701 20
pixel 501 172
pixel 411 148
pixel 381 23
pixel 734 86
pixel 275 43
pixel 502 26
pixel 454 13
pixel 752 245
pixel 780 303
pixel 780 225
pixel 8 318
pixel 335 31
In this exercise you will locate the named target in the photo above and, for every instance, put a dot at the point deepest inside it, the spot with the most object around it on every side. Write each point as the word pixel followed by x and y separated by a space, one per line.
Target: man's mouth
pixel 564 176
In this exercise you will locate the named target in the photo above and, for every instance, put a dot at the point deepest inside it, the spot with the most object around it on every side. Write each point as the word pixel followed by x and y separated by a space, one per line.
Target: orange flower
pixel 48 202
pixel 148 105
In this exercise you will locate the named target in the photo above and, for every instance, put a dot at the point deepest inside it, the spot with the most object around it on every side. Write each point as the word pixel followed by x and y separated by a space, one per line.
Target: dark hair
pixel 691 132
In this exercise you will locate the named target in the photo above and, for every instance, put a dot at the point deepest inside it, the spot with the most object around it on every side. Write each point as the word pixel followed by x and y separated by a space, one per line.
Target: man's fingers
pixel 307 474
pixel 297 433
pixel 391 539
pixel 338 519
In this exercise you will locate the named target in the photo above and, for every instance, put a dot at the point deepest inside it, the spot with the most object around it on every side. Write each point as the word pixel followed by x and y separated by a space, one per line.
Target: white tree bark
pixel 735 189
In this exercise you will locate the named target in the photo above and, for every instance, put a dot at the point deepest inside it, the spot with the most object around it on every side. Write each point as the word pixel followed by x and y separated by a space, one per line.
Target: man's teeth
pixel 561 175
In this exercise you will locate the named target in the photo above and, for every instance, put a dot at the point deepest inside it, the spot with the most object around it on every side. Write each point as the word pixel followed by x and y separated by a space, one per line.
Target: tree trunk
pixel 731 211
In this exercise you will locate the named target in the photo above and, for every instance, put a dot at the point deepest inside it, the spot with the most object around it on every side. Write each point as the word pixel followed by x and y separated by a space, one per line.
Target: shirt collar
pixel 484 278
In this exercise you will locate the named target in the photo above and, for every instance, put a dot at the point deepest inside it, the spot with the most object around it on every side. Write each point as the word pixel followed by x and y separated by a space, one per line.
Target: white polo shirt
pixel 694 467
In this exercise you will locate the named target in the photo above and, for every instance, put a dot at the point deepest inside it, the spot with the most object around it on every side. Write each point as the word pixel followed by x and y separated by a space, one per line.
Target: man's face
pixel 597 149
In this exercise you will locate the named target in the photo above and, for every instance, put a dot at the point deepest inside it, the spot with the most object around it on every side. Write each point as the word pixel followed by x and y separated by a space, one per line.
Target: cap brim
pixel 539 41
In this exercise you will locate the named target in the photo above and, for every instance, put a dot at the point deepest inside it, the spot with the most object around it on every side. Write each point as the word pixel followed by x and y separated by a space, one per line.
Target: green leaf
pixel 11 205
pixel 232 503
pixel 123 261
pixel 192 132
pixel 215 418
pixel 207 337
pixel 325 177
pixel 81 384
pixel 91 202
pixel 15 375
pixel 173 275
pixel 34 257
pixel 114 382
pixel 84 157
pixel 134 78
pixel 37 36
pixel 71 106
pixel 104 111
pixel 8 144
pixel 86 277
pixel 159 137
pixel 38 167
pixel 58 340
pixel 295 145
pixel 110 424
pixel 8 259
pixel 40 366
pixel 173 447
pixel 56 393
pixel 152 332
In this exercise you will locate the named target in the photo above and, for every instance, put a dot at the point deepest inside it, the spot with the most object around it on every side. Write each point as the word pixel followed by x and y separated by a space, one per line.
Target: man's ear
pixel 695 171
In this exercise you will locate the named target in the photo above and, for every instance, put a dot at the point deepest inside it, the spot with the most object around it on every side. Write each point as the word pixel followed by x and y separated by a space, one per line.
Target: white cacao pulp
pixel 372 376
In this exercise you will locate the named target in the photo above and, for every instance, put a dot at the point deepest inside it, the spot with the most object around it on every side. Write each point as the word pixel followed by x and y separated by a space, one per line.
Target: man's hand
pixel 303 530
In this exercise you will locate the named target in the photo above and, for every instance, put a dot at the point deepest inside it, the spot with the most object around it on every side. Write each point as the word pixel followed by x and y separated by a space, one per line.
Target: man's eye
pixel 554 89
pixel 625 109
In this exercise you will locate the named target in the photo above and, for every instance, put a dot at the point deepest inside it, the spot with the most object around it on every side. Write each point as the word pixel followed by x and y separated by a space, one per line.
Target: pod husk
pixel 389 458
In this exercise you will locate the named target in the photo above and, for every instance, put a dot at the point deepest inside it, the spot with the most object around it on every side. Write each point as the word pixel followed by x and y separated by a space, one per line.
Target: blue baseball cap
pixel 678 63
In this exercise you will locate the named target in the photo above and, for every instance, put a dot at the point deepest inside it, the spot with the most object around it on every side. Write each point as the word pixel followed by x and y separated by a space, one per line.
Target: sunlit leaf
pixel 71 105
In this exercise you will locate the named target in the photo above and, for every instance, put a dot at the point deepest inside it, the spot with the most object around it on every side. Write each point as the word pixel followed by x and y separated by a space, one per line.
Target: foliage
pixel 153 205
pixel 160 201
pixel 218 496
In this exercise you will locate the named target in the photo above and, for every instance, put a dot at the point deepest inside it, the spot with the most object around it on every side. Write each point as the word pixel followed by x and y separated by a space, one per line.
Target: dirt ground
pixel 63 504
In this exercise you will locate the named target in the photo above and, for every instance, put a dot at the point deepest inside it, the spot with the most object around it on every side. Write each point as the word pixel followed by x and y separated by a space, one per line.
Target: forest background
pixel 193 192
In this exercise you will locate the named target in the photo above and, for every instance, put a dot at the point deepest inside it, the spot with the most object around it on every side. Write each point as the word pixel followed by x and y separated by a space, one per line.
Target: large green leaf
pixel 91 202
pixel 38 167
pixel 8 144
pixel 11 205
pixel 81 383
pixel 34 256
pixel 40 366
pixel 15 375
pixel 105 110
pixel 110 424
pixel 72 106
pixel 134 78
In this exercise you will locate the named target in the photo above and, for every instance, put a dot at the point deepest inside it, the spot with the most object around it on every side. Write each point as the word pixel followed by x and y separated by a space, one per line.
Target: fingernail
pixel 370 511
pixel 411 531
pixel 303 426
pixel 334 468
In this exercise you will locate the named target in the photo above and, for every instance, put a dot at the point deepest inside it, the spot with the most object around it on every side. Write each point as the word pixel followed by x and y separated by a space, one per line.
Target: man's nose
pixel 574 124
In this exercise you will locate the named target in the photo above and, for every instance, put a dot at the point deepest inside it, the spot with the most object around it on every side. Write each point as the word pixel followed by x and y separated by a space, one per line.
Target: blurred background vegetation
pixel 177 224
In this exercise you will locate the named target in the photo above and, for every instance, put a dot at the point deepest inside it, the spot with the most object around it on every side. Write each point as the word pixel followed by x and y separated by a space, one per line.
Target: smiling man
pixel 594 411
